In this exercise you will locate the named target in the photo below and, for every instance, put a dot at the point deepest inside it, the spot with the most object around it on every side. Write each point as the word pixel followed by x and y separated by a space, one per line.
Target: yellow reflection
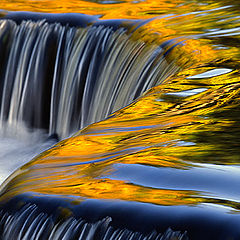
pixel 148 132
pixel 141 9
pixel 128 9
pixel 160 129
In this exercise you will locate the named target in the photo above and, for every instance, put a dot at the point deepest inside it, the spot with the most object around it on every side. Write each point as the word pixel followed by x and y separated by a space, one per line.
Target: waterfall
pixel 29 223
pixel 152 101
pixel 63 78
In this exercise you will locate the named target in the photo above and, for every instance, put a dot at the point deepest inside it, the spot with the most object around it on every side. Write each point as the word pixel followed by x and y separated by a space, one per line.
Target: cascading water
pixel 62 79
pixel 59 79
pixel 56 80
pixel 28 223
pixel 156 164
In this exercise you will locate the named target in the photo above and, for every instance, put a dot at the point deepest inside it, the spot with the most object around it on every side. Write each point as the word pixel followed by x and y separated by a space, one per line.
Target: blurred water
pixel 171 157
pixel 18 145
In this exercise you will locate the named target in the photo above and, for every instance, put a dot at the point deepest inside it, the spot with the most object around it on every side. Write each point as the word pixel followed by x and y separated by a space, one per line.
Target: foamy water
pixel 18 145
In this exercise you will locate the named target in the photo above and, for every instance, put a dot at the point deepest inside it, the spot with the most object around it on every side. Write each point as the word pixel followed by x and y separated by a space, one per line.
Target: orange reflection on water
pixel 141 9
pixel 162 129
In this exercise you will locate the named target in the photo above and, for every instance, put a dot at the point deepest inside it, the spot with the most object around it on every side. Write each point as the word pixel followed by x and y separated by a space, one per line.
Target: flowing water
pixel 144 96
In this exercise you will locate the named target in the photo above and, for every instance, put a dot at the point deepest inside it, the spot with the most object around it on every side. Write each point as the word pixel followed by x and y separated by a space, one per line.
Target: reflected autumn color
pixel 184 123
pixel 122 9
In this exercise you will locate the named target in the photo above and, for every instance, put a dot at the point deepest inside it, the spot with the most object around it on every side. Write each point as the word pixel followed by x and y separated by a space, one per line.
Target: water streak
pixel 29 223
pixel 169 159
pixel 63 78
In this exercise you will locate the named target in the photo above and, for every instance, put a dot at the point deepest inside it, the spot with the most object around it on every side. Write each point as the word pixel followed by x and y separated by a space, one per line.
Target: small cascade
pixel 58 79
pixel 157 165
pixel 29 223
pixel 62 78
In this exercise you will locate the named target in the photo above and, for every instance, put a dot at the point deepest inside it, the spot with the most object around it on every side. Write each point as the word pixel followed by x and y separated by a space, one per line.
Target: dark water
pixel 155 162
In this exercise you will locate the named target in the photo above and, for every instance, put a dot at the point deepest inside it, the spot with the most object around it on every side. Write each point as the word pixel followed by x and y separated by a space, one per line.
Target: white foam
pixel 18 145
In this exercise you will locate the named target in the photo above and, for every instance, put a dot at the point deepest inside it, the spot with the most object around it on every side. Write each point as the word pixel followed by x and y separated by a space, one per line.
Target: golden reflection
pixel 83 165
pixel 141 9
pixel 163 128
pixel 124 10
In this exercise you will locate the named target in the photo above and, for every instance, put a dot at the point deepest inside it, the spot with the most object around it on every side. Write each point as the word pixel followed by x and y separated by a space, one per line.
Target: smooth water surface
pixel 175 148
